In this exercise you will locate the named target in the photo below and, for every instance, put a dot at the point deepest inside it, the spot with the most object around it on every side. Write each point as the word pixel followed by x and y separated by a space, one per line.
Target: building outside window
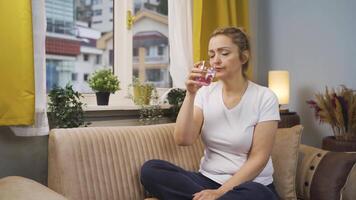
pixel 80 40
pixel 97 12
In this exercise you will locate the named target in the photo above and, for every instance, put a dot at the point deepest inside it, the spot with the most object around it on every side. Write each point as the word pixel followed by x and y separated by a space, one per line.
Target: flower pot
pixel 142 95
pixel 102 98
pixel 331 144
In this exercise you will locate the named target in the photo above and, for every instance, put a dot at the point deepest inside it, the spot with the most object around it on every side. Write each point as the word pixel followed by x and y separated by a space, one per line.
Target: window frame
pixel 122 60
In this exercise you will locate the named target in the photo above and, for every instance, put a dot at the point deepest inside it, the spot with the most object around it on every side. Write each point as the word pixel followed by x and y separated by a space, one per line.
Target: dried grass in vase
pixel 338 109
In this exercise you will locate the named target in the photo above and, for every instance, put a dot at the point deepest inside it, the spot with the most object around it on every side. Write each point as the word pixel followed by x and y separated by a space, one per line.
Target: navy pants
pixel 170 182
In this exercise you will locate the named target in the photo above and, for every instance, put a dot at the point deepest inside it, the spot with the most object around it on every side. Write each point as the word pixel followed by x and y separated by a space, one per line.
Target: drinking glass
pixel 208 73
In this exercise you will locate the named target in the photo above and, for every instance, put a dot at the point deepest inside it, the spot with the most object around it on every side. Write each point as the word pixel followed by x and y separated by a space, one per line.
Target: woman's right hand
pixel 191 84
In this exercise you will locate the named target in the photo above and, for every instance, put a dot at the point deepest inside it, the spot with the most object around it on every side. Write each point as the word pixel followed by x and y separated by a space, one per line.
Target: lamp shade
pixel 278 82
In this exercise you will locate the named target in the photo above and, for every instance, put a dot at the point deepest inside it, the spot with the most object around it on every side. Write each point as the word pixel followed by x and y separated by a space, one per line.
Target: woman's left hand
pixel 207 195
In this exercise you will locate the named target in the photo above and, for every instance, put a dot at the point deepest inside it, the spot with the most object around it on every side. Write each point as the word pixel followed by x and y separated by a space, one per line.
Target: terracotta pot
pixel 331 144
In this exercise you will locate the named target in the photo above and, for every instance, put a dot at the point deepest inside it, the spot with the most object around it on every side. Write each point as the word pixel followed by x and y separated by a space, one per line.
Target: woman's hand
pixel 207 195
pixel 191 84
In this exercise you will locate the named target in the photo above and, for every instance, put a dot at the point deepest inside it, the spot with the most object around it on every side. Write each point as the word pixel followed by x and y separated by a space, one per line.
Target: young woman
pixel 237 120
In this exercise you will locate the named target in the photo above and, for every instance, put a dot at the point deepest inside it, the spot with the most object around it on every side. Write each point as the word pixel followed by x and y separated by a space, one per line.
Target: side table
pixel 288 119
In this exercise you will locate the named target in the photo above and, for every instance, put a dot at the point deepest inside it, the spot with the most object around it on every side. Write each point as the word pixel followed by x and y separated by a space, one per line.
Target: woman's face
pixel 225 56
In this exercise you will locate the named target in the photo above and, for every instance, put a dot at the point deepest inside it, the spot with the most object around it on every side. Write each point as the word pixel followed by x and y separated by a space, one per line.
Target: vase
pixel 142 95
pixel 102 98
pixel 330 143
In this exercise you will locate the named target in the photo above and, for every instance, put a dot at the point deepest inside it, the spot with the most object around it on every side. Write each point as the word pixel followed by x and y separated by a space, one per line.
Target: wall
pixel 23 156
pixel 315 41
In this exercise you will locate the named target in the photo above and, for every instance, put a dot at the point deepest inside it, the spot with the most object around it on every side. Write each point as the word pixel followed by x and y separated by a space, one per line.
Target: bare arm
pixel 190 117
pixel 189 122
pixel 261 149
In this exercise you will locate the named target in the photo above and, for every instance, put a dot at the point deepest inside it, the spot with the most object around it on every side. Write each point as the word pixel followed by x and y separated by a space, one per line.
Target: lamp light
pixel 278 82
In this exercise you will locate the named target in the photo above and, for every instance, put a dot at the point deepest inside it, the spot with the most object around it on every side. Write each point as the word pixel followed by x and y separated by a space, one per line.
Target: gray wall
pixel 315 41
pixel 23 156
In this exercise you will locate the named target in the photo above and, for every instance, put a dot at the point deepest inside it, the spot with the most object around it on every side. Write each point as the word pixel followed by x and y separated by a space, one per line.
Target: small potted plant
pixel 65 108
pixel 151 113
pixel 104 82
pixel 338 109
pixel 142 92
pixel 175 98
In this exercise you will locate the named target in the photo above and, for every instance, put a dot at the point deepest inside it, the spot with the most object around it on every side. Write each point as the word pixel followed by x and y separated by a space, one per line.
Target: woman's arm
pixel 190 117
pixel 262 143
pixel 189 122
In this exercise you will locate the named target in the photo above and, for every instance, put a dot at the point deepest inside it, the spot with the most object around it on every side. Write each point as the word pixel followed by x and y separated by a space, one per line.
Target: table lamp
pixel 278 82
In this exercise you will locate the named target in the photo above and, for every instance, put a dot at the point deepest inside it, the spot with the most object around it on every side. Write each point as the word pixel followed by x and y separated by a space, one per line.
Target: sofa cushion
pixel 285 160
pixel 20 188
pixel 348 191
pixel 331 174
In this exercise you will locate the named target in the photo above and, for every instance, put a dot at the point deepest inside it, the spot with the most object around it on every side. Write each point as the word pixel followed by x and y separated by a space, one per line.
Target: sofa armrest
pixel 19 188
pixel 323 174
pixel 308 160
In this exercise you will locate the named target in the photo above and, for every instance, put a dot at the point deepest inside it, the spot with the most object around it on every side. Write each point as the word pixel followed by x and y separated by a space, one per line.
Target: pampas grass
pixel 338 109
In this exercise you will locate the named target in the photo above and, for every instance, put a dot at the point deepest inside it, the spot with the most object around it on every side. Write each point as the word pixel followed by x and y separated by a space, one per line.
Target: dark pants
pixel 169 182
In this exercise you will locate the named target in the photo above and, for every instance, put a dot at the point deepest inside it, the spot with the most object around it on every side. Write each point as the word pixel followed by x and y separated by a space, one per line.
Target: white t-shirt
pixel 227 133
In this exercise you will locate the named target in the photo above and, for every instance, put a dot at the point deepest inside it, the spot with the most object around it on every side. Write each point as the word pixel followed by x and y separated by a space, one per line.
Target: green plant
pixel 338 109
pixel 104 80
pixel 175 98
pixel 142 92
pixel 65 108
pixel 150 114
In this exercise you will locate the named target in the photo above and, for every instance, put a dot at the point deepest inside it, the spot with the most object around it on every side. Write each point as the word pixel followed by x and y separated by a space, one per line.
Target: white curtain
pixel 39 36
pixel 180 40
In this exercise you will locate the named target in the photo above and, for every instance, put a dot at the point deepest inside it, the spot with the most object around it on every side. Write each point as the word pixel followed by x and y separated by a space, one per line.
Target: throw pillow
pixel 331 175
pixel 285 160
pixel 348 191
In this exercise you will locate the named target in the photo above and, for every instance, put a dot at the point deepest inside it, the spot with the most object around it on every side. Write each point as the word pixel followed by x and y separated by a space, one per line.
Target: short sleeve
pixel 198 101
pixel 269 107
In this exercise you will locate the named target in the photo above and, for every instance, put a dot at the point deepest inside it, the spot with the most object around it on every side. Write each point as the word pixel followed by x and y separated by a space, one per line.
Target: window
pixel 74 76
pixel 97 12
pixel 160 50
pixel 59 26
pixel 135 52
pixel 97 22
pixel 95 2
pixel 50 25
pixel 111 57
pixel 87 41
pixel 85 57
pixel 73 50
pixel 85 77
pixel 98 59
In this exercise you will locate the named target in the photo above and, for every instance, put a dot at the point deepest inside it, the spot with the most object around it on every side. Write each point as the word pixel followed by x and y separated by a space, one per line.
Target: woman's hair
pixel 238 37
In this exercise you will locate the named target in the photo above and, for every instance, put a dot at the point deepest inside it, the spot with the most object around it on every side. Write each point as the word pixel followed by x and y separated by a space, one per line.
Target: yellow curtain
pixel 17 98
pixel 210 14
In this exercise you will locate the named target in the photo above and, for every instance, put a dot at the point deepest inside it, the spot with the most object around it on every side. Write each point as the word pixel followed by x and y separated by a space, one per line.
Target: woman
pixel 237 120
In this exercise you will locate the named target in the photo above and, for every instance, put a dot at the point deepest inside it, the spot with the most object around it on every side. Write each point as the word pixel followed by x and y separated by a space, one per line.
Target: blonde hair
pixel 239 38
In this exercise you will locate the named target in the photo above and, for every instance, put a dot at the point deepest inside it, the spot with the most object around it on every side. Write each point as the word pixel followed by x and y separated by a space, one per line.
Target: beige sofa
pixel 103 163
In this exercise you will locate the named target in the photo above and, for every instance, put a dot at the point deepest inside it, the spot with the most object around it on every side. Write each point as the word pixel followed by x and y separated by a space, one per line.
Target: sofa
pixel 103 163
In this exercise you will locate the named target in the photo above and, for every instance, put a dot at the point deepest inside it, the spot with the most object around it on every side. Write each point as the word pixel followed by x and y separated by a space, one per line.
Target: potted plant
pixel 175 98
pixel 151 113
pixel 104 82
pixel 142 92
pixel 338 109
pixel 65 108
